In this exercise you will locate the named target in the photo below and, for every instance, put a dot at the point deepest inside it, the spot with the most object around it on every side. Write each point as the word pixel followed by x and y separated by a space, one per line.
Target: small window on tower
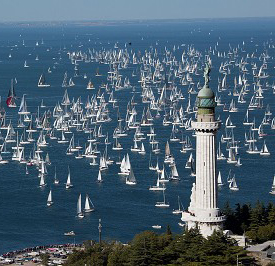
pixel 204 163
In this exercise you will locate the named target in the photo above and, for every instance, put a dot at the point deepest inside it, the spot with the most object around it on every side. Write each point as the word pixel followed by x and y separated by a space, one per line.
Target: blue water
pixel 124 210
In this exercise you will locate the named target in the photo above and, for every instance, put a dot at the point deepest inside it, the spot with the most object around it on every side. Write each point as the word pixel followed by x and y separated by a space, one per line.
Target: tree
pixel 145 249
pixel 45 258
pixel 119 255
pixel 271 214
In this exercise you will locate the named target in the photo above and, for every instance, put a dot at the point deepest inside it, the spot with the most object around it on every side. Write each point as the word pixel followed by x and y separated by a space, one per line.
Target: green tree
pixel 271 214
pixel 45 258
pixel 145 249
pixel 119 255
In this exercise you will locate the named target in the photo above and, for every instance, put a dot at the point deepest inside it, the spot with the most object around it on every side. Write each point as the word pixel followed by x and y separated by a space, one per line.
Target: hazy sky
pixel 50 10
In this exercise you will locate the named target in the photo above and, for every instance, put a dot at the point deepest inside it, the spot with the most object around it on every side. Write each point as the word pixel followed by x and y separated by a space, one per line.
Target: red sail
pixel 9 101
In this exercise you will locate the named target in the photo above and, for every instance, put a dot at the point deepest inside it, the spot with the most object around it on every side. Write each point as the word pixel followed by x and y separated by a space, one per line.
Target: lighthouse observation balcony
pixel 189 217
pixel 206 126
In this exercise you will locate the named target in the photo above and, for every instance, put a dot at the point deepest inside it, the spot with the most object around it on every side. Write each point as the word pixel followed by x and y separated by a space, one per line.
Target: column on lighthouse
pixel 206 190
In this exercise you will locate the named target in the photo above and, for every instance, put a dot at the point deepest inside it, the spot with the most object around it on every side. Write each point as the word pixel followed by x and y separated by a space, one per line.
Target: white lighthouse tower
pixel 203 211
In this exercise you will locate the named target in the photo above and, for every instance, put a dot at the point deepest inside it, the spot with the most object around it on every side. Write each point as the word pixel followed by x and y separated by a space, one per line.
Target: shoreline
pixel 58 254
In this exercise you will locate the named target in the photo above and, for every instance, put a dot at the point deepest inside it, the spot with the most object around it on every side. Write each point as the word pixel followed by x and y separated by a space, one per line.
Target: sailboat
pixel 63 139
pixel 157 187
pixel 142 149
pixel 79 212
pixel 11 96
pixel 90 86
pixel 180 208
pixel 162 204
pixel 25 64
pixel 220 155
pixel 231 157
pixel 220 183
pixel 233 185
pixel 238 162
pixel 50 200
pixel 273 187
pixel 42 181
pixel 56 181
pixel 99 177
pixel 174 173
pixel 3 161
pixel 68 183
pixel 131 180
pixel 42 105
pixel 89 206
pixel 42 82
pixel 264 151
pixel 23 107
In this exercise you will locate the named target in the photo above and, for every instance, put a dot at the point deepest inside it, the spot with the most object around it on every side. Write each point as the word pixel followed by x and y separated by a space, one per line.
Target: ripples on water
pixel 124 210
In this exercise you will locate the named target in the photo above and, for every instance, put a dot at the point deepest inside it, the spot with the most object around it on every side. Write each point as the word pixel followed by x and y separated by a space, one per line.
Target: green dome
pixel 206 93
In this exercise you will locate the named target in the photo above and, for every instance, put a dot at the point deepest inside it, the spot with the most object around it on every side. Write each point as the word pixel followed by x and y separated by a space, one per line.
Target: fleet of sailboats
pixel 157 119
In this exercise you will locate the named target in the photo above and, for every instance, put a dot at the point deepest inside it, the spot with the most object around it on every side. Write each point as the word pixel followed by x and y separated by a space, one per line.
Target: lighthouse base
pixel 206 225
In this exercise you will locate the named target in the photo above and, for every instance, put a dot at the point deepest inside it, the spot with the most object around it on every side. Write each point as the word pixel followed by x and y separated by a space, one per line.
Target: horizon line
pixel 130 20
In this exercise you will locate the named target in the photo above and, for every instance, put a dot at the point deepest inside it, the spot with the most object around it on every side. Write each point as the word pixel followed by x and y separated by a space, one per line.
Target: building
pixel 203 211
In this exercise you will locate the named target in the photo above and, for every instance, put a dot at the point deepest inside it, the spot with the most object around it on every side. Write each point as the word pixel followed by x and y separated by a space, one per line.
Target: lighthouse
pixel 203 211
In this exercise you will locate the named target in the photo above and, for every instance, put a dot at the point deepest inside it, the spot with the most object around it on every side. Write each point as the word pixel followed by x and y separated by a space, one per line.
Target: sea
pixel 124 210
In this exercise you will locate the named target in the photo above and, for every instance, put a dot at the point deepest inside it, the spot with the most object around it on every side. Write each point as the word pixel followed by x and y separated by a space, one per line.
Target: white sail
pixel 220 183
pixel 131 179
pixel 50 200
pixel 78 208
pixel 89 206
pixel 99 177
pixel 68 183
pixel 42 181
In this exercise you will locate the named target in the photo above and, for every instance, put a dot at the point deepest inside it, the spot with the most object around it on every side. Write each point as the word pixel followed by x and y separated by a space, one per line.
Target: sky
pixel 76 10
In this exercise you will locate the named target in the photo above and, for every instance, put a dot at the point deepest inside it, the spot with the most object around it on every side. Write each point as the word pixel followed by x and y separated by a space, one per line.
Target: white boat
pixel 135 148
pixel 162 177
pixel 264 151
pixel 79 212
pixel 99 177
pixel 231 156
pixel 42 181
pixel 50 200
pixel 180 208
pixel 42 82
pixel 189 161
pixel 174 173
pixel 142 150
pixel 157 187
pixel 131 180
pixel 156 226
pixel 220 183
pixel 63 139
pixel 89 206
pixel 42 105
pixel 68 183
pixel 71 233
pixel 233 185
pixel 90 86
pixel 220 155
pixel 25 64
pixel 162 204
pixel 2 161
pixel 272 191
pixel 56 181
pixel 26 169
pixel 238 162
